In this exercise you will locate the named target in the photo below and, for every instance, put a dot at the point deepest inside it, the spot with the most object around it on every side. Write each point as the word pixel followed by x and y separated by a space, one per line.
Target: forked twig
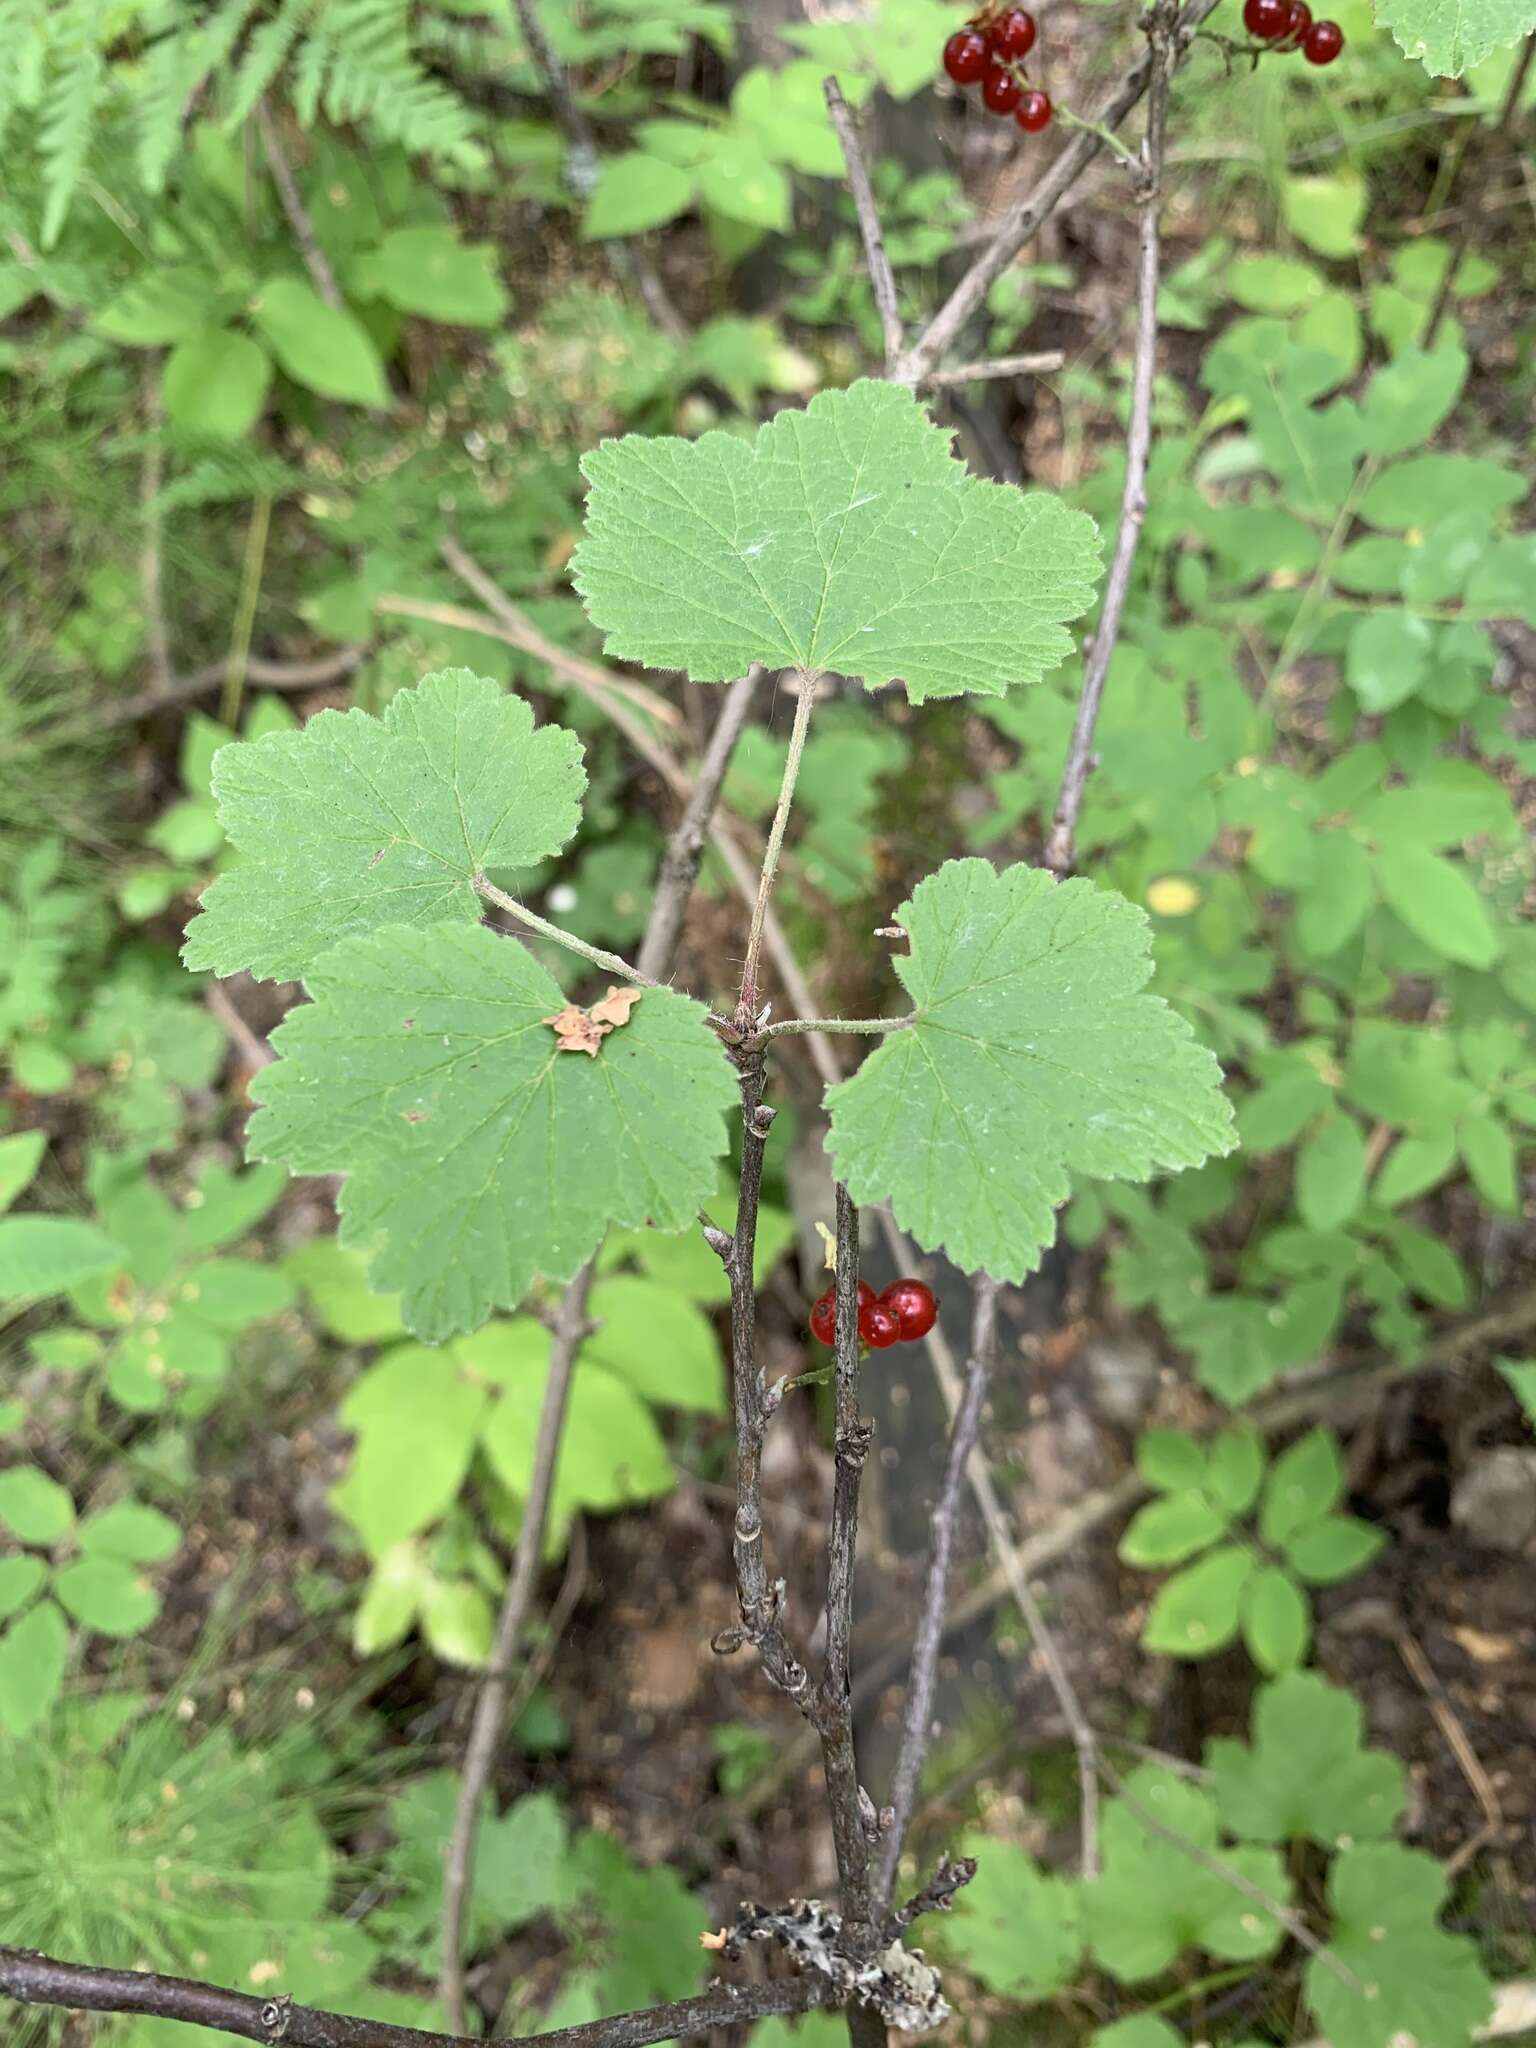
pixel 1061 844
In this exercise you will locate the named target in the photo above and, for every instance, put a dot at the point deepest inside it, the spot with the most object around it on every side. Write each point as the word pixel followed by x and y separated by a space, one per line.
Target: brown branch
pixel 314 674
pixel 936 1896
pixel 1040 364
pixel 1062 843
pixel 583 168
pixel 255 1052
pixel 759 1599
pixel 834 1710
pixel 1508 107
pixel 1015 1576
pixel 882 280
pixel 663 925
pixel 917 1722
pixel 316 261
pixel 570 1326
pixel 39 1980
pixel 685 847
pixel 1026 219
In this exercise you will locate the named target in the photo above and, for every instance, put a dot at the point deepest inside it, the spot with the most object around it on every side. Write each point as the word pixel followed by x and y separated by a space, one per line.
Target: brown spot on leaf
pixel 575 1032
pixel 615 1007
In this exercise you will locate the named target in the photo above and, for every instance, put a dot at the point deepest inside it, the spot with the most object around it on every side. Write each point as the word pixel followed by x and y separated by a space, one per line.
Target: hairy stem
pixel 609 962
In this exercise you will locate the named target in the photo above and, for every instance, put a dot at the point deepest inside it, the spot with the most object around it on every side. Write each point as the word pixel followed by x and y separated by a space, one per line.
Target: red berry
pixel 1000 90
pixel 1322 42
pixel 879 1326
pixel 1299 23
pixel 824 1314
pixel 1033 114
pixel 1012 35
pixel 965 55
pixel 913 1305
pixel 1266 19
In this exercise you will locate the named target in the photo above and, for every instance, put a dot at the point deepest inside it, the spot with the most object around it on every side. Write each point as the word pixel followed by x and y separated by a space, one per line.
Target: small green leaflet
pixel 1307 1772
pixel 354 821
pixel 844 537
pixel 1418 1982
pixel 478 1155
pixel 1036 1054
pixel 1452 35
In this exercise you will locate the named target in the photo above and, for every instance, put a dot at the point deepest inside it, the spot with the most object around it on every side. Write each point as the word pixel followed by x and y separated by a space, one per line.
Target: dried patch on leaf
pixel 578 1030
pixel 575 1032
pixel 615 1007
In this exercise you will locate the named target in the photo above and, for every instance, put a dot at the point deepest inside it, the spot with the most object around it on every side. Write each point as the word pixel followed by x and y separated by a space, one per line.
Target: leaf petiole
pixel 609 962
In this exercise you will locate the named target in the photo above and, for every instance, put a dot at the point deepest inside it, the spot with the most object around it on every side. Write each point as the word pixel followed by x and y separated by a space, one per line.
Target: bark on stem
pixel 1061 846
pixel 917 1722
pixel 39 1980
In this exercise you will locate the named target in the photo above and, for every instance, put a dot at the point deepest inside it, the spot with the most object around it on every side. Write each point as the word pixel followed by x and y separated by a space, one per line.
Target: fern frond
pixel 65 128
pixel 265 56
pixel 227 477
pixel 178 66
pixel 24 37
pixel 372 75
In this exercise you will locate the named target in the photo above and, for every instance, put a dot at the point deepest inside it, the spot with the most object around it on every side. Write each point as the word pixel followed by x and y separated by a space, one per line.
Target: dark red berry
pixel 1297 26
pixel 1322 42
pixel 914 1307
pixel 1000 90
pixel 1012 35
pixel 824 1314
pixel 966 55
pixel 1266 19
pixel 879 1326
pixel 1032 114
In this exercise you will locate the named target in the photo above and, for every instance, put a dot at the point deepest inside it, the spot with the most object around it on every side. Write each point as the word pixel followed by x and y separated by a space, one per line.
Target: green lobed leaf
pixel 1236 1469
pixel 1170 1459
pixel 356 821
pixel 20 1578
pixel 1153 1901
pixel 336 1283
pixel 1307 1772
pixel 478 1155
pixel 1413 1980
pixel 844 537
pixel 1450 36
pixel 634 192
pixel 1036 1054
pixel 659 1342
pixel 1015 1927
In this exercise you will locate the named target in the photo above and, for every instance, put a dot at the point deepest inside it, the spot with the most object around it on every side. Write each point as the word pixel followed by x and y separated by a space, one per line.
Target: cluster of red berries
pixel 907 1310
pixel 990 51
pixel 1288 24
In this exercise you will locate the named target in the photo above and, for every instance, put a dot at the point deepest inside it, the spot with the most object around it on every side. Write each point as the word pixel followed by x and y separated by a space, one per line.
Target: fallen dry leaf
pixel 615 1007
pixel 575 1031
